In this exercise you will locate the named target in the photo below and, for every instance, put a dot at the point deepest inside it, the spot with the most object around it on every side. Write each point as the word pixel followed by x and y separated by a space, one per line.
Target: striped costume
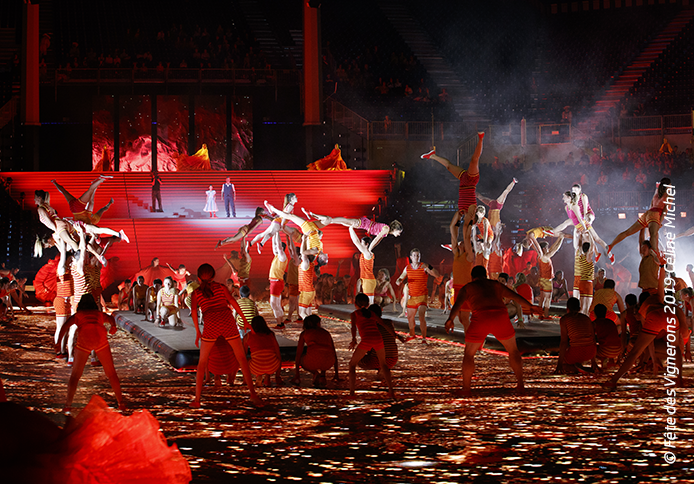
pixel 264 359
pixel 366 273
pixel 307 291
pixel 64 290
pixel 417 282
pixel 218 318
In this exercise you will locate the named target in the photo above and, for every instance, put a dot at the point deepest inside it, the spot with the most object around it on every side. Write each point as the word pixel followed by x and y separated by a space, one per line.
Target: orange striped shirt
pixel 366 267
pixel 546 269
pixel 64 285
pixel 306 278
pixel 417 280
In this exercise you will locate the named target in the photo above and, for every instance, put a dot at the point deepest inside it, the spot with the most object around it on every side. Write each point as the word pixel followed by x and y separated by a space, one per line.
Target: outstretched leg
pixel 634 229
pixel 242 232
pixel 88 197
pixel 101 211
pixel 502 198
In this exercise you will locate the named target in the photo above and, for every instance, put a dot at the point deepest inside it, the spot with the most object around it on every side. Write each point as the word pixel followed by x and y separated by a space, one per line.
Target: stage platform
pixel 184 234
pixel 177 347
pixel 538 335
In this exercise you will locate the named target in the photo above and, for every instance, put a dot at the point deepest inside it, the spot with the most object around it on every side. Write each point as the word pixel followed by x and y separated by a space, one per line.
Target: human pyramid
pixel 481 303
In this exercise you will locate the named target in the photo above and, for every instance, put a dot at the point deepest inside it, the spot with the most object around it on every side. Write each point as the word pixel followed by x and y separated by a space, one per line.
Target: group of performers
pixel 480 296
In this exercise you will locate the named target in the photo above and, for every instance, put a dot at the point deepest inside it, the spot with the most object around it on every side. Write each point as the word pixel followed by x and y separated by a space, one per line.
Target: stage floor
pixel 177 347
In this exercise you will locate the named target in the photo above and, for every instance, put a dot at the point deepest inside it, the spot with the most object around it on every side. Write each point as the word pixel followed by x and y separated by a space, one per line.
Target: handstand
pixel 468 178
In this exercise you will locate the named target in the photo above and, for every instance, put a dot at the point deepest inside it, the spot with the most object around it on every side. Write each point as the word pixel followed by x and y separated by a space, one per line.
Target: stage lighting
pixel 683 214
pixel 621 216
pixel 640 213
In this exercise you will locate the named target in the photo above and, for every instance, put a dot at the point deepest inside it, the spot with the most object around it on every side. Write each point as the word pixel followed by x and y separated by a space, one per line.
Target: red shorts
pixel 276 287
pixel 77 206
pixel 579 354
pixel 577 281
pixel 585 288
pixel 91 337
pixel 494 321
pixel 416 301
pixel 62 307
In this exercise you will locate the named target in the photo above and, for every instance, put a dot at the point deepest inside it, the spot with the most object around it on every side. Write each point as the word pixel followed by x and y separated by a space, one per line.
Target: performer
pixel 417 273
pixel 584 272
pixel 545 253
pixel 533 234
pixel 653 218
pixel 91 336
pixel 320 353
pixel 229 195
pixel 308 227
pixel 82 208
pixel 366 263
pixel 384 293
pixel 245 229
pixel 213 299
pixel 367 325
pixel 277 270
pixel 463 257
pixel 307 291
pixel 485 299
pixel 468 178
pixel 140 295
pixel 372 228
pixel 495 206
pixel 655 318
pixel 61 229
pixel 482 237
pixel 265 352
pixel 370 359
pixel 152 297
pixel 332 162
pixel 583 231
pixel 156 192
pixel 211 204
pixel 577 338
pixel 167 306
pixel 179 276
pixel 64 290
pixel 277 223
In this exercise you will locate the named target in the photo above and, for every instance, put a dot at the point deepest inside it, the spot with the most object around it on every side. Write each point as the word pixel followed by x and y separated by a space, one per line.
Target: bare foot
pixel 463 393
pixel 122 406
pixel 257 401
pixel 194 404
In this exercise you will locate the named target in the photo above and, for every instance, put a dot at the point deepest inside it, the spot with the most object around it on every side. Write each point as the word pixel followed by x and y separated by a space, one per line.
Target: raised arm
pixel 359 245
pixel 277 247
pixel 402 276
pixel 554 248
